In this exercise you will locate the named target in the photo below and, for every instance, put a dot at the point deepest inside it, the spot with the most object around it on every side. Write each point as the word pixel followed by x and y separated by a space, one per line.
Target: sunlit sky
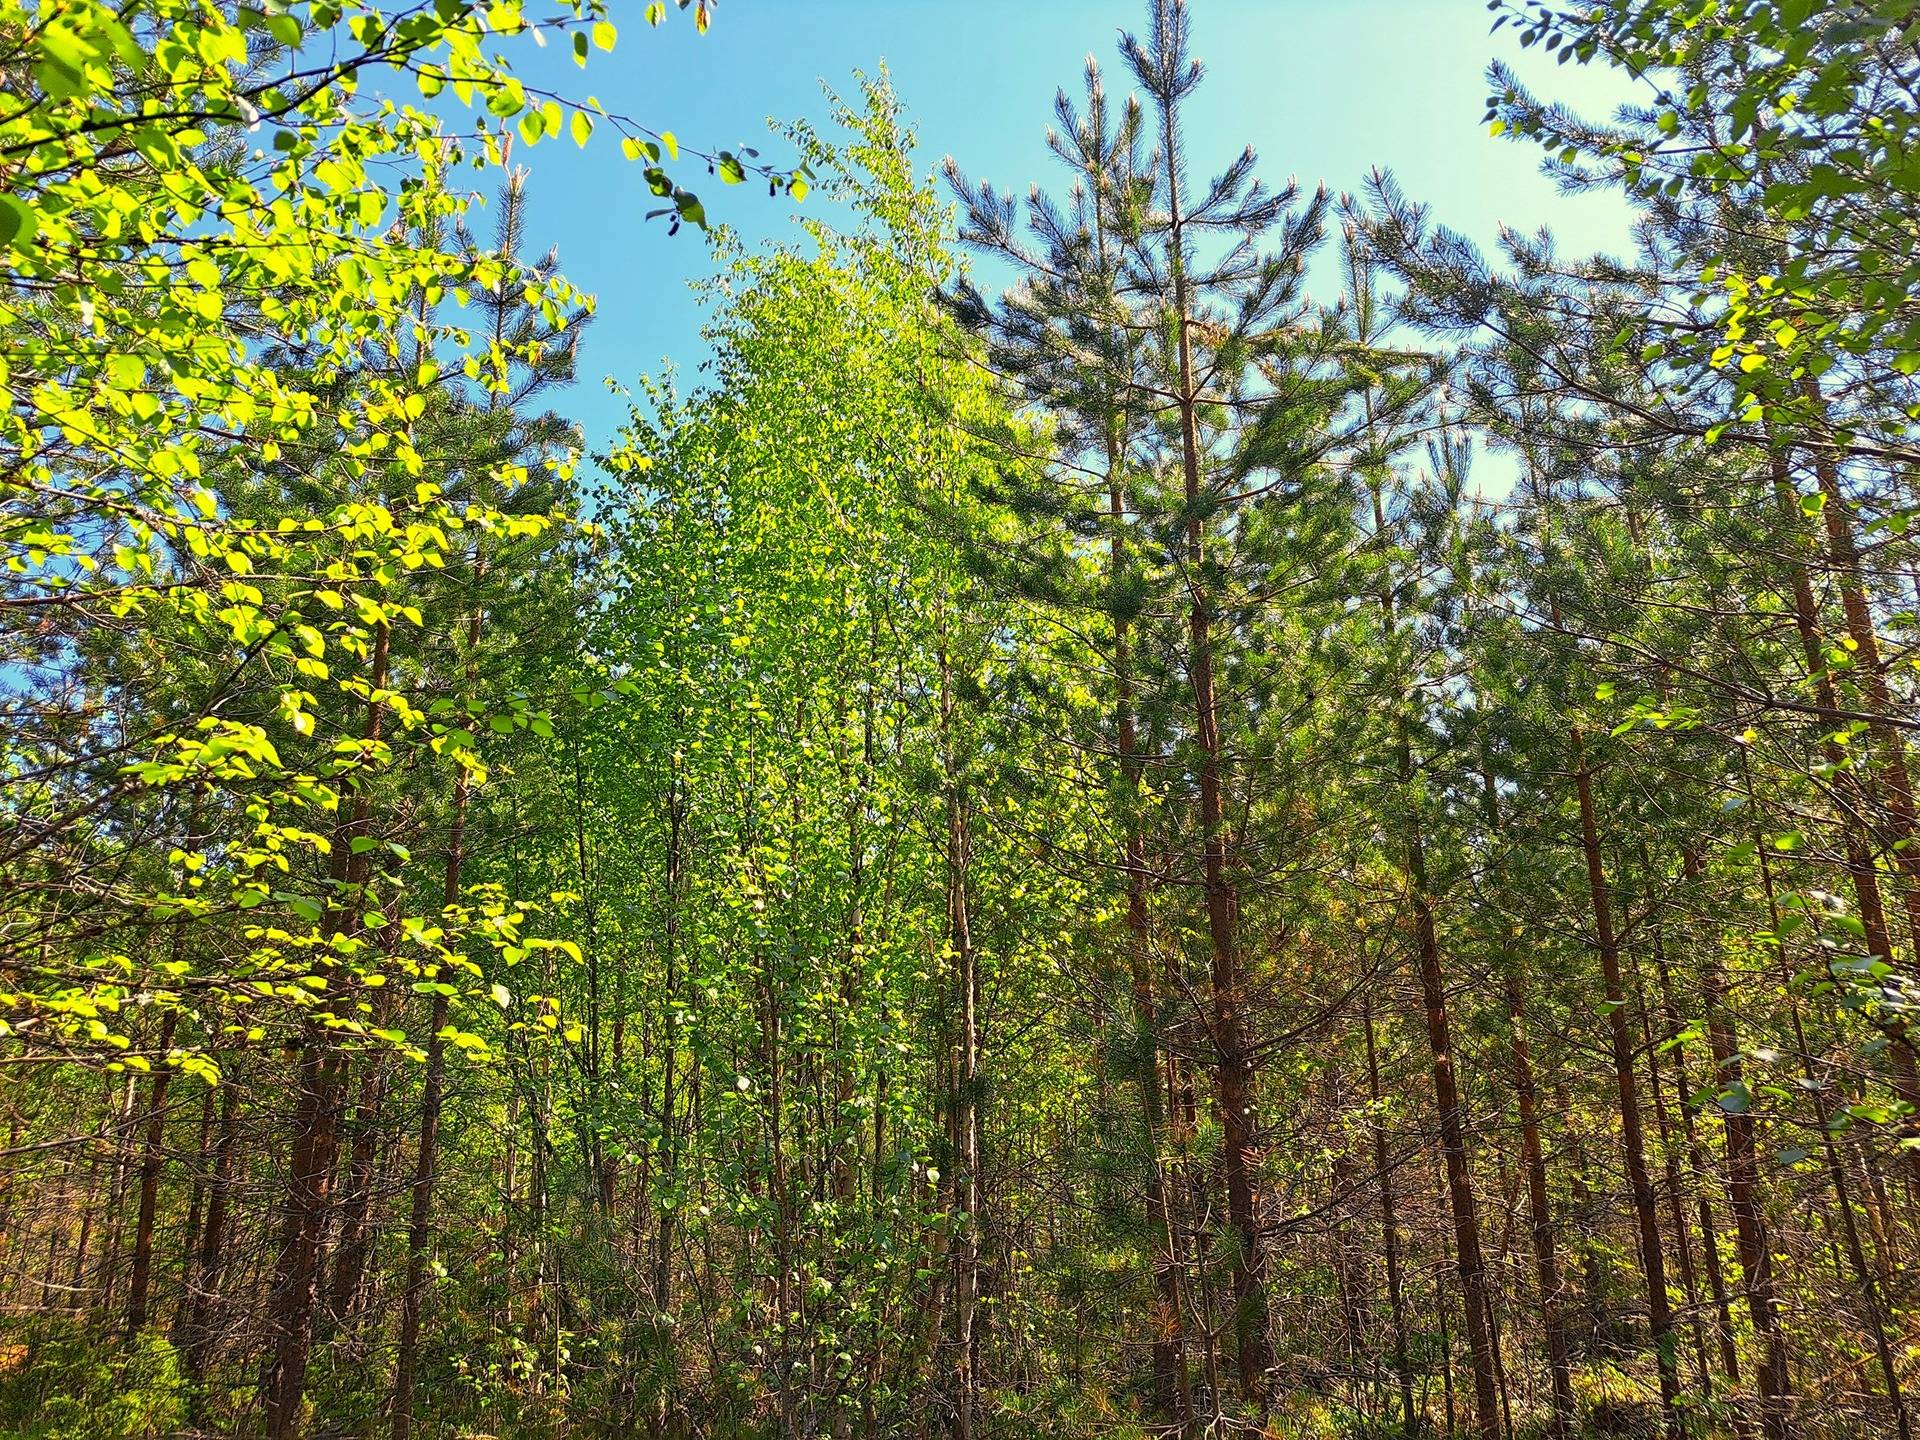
pixel 1324 89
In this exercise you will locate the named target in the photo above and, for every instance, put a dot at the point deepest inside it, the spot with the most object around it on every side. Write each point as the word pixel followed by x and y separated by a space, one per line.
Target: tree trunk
pixel 426 1151
pixel 1546 1260
pixel 196 1212
pixel 1453 1148
pixel 1389 1227
pixel 139 1280
pixel 309 1195
pixel 1861 869
pixel 1171 1387
pixel 1676 1207
pixel 1446 1087
pixel 966 1081
pixel 316 1121
pixel 204 1287
pixel 355 1244
pixel 1234 1061
pixel 669 1052
pixel 1620 1035
pixel 1697 1166
pixel 1753 1247
pixel 1843 553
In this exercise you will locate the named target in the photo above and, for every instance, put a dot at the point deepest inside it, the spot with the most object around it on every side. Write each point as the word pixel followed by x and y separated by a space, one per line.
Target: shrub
pixel 63 1385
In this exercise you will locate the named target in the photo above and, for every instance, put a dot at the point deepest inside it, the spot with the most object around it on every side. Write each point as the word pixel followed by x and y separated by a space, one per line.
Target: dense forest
pixel 1069 839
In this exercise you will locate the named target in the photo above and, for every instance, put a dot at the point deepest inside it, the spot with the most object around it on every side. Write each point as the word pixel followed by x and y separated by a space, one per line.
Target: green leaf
pixel 18 223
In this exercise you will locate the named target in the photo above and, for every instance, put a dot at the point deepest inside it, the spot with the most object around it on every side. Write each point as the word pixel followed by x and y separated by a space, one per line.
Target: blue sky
pixel 1324 89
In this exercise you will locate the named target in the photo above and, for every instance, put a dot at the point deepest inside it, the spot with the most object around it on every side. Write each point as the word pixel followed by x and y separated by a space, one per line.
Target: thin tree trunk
pixel 1546 1260
pixel 1901 837
pixel 316 1125
pixel 355 1243
pixel 196 1212
pixel 966 1084
pixel 1752 1246
pixel 1864 1276
pixel 1676 1210
pixel 1389 1226
pixel 426 1151
pixel 77 1287
pixel 1446 1089
pixel 204 1287
pixel 1235 1067
pixel 108 1269
pixel 1443 1305
pixel 1861 870
pixel 1620 1035
pixel 309 1195
pixel 1171 1385
pixel 1843 554
pixel 670 1068
pixel 139 1279
pixel 1697 1165
pixel 1453 1148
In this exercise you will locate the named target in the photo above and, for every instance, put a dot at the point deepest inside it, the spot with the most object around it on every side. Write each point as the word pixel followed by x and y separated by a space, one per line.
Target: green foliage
pixel 1792 113
pixel 950 881
pixel 780 610
pixel 241 341
pixel 61 1383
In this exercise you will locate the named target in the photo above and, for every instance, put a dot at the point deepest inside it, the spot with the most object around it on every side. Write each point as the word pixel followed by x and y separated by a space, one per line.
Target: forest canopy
pixel 1037 850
